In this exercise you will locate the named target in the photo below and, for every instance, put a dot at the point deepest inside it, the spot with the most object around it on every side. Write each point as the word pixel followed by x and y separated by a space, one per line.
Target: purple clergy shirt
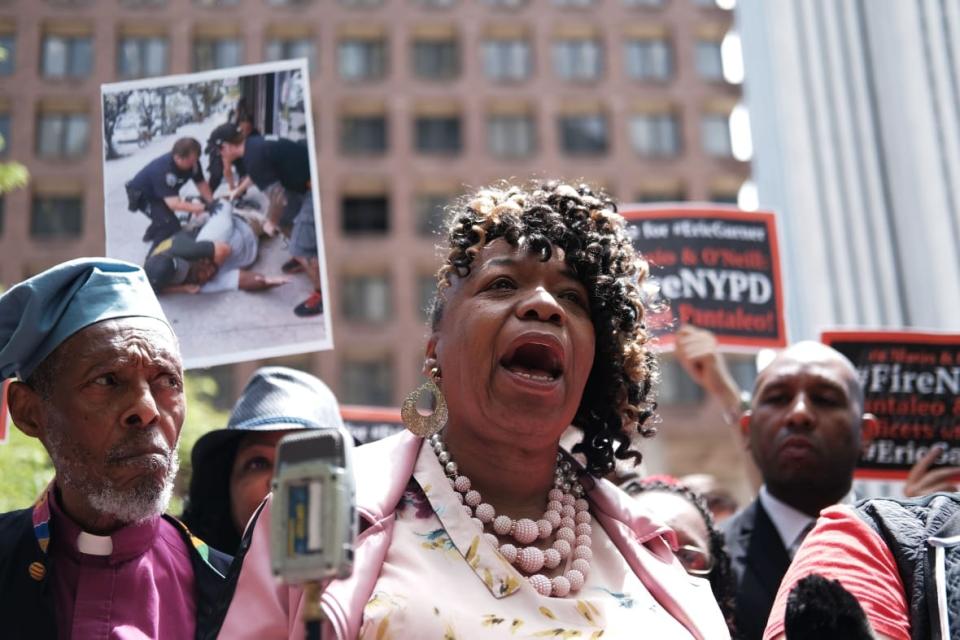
pixel 143 589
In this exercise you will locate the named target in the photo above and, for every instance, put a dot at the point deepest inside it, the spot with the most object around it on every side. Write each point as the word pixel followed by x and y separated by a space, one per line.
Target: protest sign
pixel 911 383
pixel 4 418
pixel 367 424
pixel 225 273
pixel 719 269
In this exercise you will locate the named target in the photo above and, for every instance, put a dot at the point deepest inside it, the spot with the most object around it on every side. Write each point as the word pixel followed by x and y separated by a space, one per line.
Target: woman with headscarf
pixel 476 524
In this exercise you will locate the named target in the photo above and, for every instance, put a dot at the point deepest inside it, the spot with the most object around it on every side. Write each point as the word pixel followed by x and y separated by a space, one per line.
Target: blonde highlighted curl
pixel 618 398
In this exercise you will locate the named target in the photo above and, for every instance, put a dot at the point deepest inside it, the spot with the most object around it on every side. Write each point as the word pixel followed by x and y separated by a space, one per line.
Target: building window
pixel 578 59
pixel 216 53
pixel 366 298
pixel 673 193
pixel 511 136
pixel 361 4
pixel 437 134
pixel 367 382
pixel 4 134
pixel 584 134
pixel 366 214
pixel 54 217
pixel 506 4
pixel 431 211
pixel 715 133
pixel 62 135
pixel 67 56
pixel 724 197
pixel 141 57
pixel 655 134
pixel 648 59
pixel 436 4
pixel 651 4
pixel 8 61
pixel 143 4
pixel 708 60
pixel 363 59
pixel 426 289
pixel 288 49
pixel 216 3
pixel 436 59
pixel 507 60
pixel 289 3
pixel 363 134
pixel 573 4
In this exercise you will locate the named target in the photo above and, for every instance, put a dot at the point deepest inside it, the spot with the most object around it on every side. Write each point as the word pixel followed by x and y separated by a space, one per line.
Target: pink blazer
pixel 264 608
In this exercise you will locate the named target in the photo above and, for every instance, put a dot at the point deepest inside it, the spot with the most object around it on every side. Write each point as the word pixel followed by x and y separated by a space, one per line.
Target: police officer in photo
pixel 155 190
pixel 270 160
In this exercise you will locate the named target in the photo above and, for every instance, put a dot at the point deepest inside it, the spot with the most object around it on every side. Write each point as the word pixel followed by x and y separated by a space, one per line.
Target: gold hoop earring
pixel 416 422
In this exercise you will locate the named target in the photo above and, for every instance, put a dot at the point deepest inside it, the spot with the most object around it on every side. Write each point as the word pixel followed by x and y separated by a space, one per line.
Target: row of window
pixel 504 59
pixel 515 136
pixel 61 217
pixel 377 3
pixel 67 135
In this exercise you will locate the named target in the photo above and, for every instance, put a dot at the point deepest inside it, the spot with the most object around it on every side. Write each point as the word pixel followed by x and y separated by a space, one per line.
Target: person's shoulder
pixel 15 526
pixel 162 160
pixel 742 518
pixel 381 470
pixel 384 449
pixel 179 537
pixel 906 523
pixel 288 147
pixel 15 520
pixel 921 507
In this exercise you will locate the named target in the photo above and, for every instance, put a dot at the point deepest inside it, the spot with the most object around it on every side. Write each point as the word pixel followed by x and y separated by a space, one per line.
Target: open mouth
pixel 539 360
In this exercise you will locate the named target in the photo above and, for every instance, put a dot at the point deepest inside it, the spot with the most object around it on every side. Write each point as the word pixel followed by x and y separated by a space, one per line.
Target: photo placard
pixel 210 183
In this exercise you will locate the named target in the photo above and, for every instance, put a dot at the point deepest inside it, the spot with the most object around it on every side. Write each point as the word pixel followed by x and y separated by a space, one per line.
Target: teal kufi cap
pixel 38 314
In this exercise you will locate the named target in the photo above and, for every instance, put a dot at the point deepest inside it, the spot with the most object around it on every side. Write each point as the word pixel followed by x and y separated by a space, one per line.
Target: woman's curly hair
pixel 618 397
pixel 721 577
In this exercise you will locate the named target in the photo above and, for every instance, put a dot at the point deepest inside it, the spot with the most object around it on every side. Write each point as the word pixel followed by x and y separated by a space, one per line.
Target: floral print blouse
pixel 441 579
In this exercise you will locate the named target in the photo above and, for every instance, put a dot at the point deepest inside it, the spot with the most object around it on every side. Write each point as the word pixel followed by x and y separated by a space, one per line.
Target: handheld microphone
pixel 313 520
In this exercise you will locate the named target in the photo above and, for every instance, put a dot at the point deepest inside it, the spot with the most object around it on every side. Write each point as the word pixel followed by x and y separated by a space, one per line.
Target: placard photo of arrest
pixel 210 183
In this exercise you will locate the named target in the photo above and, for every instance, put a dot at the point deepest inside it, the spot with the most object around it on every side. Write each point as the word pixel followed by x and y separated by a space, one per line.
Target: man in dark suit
pixel 805 430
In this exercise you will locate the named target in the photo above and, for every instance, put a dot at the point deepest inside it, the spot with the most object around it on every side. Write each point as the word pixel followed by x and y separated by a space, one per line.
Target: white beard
pixel 146 499
pixel 139 503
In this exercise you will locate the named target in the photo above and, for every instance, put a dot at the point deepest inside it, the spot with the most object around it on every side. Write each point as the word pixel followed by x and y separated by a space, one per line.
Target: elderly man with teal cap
pixel 99 381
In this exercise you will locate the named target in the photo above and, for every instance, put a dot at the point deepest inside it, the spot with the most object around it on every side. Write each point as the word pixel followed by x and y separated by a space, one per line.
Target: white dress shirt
pixel 792 524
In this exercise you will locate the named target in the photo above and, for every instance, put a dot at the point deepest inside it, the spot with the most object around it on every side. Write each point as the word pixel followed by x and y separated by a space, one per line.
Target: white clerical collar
pixel 94 545
pixel 789 522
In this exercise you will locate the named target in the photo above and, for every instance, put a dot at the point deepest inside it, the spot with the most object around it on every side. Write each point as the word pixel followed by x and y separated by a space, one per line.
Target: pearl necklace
pixel 567 513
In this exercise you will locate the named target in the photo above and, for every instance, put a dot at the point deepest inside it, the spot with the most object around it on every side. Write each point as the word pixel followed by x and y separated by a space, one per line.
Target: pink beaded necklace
pixel 567 514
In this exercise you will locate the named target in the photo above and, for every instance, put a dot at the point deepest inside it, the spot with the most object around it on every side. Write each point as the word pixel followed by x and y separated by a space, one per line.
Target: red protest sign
pixel 367 424
pixel 4 413
pixel 718 267
pixel 911 383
